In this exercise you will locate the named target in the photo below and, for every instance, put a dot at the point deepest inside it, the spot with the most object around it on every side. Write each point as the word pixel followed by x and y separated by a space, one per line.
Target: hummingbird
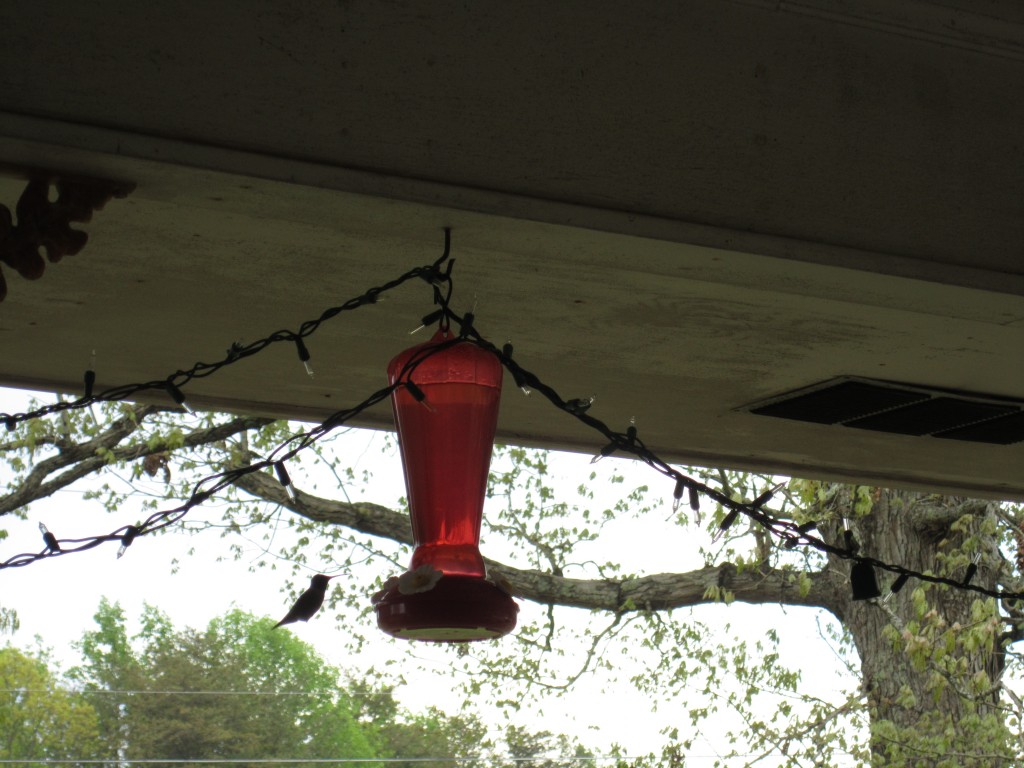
pixel 309 602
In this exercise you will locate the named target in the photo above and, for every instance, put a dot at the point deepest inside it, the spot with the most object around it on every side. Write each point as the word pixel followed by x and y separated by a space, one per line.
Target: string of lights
pixel 173 383
pixel 791 534
pixel 438 275
pixel 202 491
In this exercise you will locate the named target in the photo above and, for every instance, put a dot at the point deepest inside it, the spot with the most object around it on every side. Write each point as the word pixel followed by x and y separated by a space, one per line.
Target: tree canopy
pixel 235 691
pixel 932 662
pixel 38 719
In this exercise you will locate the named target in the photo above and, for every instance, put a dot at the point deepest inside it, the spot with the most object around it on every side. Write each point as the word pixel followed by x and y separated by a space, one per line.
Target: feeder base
pixel 457 609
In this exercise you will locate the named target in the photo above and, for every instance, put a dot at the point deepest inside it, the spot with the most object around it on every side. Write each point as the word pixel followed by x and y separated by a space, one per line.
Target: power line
pixel 319 760
pixel 106 691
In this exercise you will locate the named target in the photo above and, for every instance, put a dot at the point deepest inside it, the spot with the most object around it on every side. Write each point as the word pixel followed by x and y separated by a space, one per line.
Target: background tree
pixel 242 690
pixel 931 660
pixel 39 720
pixel 423 735
pixel 237 690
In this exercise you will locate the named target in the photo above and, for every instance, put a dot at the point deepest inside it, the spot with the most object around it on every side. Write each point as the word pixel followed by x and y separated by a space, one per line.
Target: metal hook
pixel 447 247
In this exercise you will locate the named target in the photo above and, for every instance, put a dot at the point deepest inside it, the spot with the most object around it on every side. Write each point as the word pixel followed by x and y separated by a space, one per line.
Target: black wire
pixel 783 530
pixel 208 486
pixel 628 442
pixel 433 273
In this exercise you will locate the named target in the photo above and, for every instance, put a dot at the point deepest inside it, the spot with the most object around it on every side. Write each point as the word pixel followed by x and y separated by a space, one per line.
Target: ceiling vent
pixel 901 409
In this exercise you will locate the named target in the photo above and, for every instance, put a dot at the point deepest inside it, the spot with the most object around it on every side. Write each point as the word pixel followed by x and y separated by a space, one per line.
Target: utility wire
pixel 109 691
pixel 320 760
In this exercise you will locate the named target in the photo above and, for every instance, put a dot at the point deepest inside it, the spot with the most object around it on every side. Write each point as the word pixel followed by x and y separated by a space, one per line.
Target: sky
pixel 188 577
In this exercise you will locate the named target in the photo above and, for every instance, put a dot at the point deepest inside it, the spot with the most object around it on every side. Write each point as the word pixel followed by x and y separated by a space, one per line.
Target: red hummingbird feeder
pixel 446 415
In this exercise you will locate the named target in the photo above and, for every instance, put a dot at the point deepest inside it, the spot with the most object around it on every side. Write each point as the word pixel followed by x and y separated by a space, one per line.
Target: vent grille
pixel 1003 431
pixel 901 409
pixel 839 403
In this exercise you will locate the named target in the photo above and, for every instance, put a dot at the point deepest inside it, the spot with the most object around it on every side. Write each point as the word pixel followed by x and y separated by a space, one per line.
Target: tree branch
pixel 654 592
pixel 87 457
pixel 935 515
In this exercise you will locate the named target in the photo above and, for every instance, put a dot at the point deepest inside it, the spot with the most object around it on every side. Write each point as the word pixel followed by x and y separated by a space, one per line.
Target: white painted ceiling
pixel 680 208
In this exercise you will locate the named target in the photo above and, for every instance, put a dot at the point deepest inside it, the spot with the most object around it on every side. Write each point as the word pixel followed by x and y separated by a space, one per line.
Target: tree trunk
pixel 929 654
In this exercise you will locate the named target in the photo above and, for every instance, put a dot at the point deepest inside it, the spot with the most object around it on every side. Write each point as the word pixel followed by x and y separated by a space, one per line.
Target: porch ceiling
pixel 681 209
